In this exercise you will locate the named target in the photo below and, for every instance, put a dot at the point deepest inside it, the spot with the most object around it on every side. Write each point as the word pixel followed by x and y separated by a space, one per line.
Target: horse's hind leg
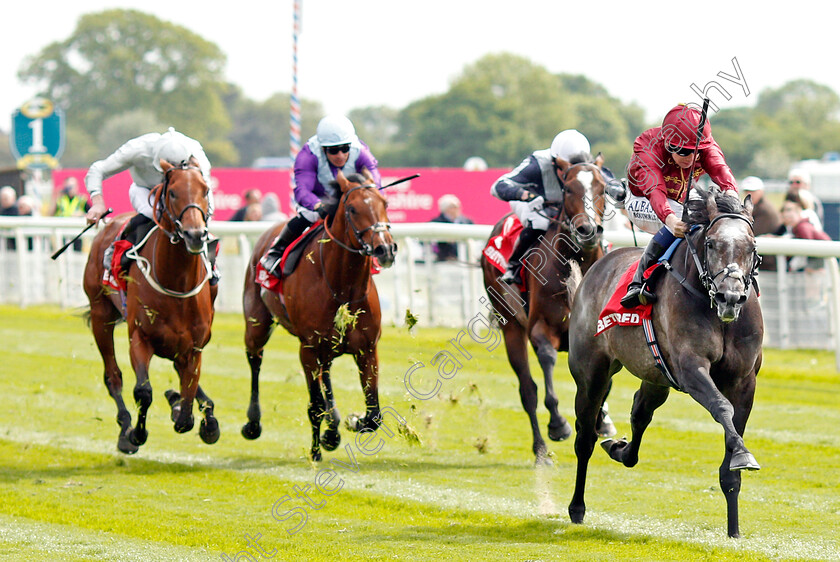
pixel 646 400
pixel 592 375
pixel 331 438
pixel 103 318
pixel 189 372
pixel 258 328
pixel 209 427
pixel 317 405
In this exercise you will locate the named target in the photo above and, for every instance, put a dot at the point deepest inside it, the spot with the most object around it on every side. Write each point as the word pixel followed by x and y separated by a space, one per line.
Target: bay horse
pixel 707 321
pixel 330 304
pixel 168 305
pixel 541 315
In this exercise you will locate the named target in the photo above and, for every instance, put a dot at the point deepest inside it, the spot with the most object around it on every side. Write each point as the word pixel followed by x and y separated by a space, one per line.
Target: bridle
pixel 710 280
pixel 365 249
pixel 564 219
pixel 143 264
pixel 162 195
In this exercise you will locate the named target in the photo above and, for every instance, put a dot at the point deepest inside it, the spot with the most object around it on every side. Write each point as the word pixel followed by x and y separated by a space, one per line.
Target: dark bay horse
pixel 330 304
pixel 709 328
pixel 168 305
pixel 541 315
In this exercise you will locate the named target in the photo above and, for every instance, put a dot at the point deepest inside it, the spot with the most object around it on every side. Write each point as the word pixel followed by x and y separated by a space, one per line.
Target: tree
pixel 124 60
pixel 262 128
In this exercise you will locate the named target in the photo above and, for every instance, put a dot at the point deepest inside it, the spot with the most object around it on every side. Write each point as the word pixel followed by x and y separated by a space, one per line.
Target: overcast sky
pixel 392 52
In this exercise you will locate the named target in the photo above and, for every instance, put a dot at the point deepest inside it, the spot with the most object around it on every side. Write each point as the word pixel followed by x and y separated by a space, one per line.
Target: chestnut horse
pixel 167 304
pixel 330 304
pixel 541 314
pixel 708 324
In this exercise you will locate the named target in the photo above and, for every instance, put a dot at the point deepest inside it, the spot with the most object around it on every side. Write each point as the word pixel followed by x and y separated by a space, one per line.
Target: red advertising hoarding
pixel 411 201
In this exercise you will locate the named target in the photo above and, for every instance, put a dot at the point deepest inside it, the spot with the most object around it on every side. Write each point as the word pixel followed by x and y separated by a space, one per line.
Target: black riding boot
pixel 637 292
pixel 136 229
pixel 293 229
pixel 526 239
pixel 212 251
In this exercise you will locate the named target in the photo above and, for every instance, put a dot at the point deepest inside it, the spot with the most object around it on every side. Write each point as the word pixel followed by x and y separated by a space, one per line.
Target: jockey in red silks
pixel 659 184
pixel 334 147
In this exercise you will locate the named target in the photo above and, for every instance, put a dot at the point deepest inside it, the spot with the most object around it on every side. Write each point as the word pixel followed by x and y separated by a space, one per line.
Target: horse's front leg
pixel 646 400
pixel 258 328
pixel 545 345
pixel 140 351
pixel 699 385
pixel 367 360
pixel 208 429
pixel 741 396
pixel 188 367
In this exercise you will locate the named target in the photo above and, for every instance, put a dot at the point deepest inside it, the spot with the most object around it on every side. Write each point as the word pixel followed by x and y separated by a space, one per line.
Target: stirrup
pixel 511 276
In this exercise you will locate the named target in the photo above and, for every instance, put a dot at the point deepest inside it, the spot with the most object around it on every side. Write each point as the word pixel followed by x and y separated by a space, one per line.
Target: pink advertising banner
pixel 411 201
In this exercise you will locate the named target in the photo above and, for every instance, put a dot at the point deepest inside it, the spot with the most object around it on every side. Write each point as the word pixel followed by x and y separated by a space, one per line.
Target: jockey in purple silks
pixel 334 147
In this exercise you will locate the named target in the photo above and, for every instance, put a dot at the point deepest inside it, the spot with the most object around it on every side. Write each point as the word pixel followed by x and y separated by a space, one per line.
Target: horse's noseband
pixel 710 281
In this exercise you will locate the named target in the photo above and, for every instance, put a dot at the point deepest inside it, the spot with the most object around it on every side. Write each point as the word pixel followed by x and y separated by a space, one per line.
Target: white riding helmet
pixel 335 130
pixel 568 143
pixel 173 147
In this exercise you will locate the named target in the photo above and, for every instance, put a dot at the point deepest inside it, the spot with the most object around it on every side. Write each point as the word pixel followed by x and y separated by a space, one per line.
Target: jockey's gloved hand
pixel 537 203
pixel 322 210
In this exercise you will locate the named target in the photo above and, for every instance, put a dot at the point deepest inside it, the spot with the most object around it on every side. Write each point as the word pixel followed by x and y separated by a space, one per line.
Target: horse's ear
pixel 561 164
pixel 343 184
pixel 709 197
pixel 599 160
pixel 165 166
pixel 368 175
pixel 748 204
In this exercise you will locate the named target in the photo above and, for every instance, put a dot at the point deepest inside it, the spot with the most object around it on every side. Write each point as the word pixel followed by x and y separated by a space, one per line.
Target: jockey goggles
pixel 345 148
pixel 679 150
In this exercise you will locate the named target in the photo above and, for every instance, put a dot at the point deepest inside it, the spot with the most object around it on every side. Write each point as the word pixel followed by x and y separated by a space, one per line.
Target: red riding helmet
pixel 679 128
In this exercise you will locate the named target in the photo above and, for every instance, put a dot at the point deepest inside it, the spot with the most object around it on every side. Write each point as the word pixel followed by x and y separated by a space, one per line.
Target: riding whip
pixel 694 160
pixel 79 235
pixel 395 182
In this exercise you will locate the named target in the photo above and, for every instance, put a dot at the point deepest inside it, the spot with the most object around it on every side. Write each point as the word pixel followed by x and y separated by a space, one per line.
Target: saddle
pixel 289 261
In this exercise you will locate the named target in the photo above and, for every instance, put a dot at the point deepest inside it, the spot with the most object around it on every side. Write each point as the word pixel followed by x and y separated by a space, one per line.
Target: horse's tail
pixel 573 281
pixel 84 312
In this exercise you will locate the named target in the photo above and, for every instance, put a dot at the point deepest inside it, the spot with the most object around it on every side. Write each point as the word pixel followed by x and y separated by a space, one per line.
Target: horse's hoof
pixel 209 430
pixel 613 448
pixel 543 460
pixel 174 400
pixel 560 433
pixel 576 514
pixel 179 428
pixel 137 436
pixel 315 455
pixel 353 422
pixel 330 439
pixel 743 461
pixel 126 446
pixel 251 430
pixel 607 429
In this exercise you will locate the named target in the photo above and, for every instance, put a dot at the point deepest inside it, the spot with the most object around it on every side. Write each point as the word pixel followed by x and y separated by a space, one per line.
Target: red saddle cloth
pixel 499 248
pixel 614 314
pixel 113 277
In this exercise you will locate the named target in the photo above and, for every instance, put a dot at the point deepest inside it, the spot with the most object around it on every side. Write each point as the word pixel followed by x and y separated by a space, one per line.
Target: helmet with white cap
pixel 173 147
pixel 569 143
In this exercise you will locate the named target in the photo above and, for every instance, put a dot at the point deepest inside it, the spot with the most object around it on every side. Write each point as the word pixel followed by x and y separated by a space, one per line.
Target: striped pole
pixel 294 114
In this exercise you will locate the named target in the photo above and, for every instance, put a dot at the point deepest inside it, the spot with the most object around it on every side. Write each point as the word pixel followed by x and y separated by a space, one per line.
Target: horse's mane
pixel 581 158
pixel 330 201
pixel 698 214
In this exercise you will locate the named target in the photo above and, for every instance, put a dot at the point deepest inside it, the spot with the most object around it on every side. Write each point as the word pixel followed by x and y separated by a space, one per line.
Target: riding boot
pixel 637 291
pixel 293 229
pixel 136 229
pixel 526 239
pixel 212 251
